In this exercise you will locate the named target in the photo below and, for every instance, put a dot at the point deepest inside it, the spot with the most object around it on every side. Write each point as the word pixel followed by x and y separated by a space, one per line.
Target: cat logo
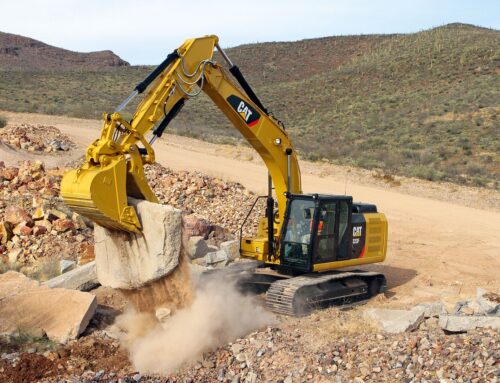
pixel 356 231
pixel 245 111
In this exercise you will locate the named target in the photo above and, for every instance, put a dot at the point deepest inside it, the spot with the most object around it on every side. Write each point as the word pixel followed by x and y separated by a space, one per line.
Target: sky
pixel 144 32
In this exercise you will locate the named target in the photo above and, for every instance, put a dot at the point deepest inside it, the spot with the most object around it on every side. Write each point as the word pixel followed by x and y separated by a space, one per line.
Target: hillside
pixel 22 53
pixel 423 104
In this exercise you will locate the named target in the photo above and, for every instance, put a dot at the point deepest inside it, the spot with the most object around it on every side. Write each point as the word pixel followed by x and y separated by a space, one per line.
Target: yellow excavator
pixel 302 240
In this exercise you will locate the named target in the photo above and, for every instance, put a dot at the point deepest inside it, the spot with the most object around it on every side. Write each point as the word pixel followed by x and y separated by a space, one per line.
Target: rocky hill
pixel 23 53
pixel 423 104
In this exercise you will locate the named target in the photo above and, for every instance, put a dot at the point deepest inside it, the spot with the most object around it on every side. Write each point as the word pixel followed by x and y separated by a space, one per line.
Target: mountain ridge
pixel 424 104
pixel 24 53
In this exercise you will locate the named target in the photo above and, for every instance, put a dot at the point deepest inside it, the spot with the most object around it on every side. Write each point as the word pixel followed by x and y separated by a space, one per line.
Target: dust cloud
pixel 173 291
pixel 217 314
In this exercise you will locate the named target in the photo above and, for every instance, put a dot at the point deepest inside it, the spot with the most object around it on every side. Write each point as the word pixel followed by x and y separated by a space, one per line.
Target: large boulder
pixel 34 309
pixel 130 261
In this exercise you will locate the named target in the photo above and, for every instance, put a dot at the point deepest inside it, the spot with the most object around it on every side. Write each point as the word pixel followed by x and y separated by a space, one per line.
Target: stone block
pixel 197 247
pixel 82 278
pixel 215 257
pixel 459 323
pixel 232 249
pixel 34 309
pixel 396 321
pixel 129 260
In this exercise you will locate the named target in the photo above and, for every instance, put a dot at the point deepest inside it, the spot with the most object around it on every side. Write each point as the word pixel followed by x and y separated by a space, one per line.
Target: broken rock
pixel 14 255
pixel 232 249
pixel 456 323
pixel 488 302
pixel 66 265
pixel 30 307
pixel 432 310
pixel 197 247
pixel 195 226
pixel 61 225
pixel 163 314
pixel 82 278
pixel 15 215
pixel 129 260
pixel 396 321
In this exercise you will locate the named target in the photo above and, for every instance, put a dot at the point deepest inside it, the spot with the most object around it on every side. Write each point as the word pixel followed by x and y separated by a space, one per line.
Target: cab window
pixel 297 238
pixel 324 247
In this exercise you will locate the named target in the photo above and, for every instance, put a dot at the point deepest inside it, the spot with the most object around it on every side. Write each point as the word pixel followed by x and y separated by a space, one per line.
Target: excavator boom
pixel 113 169
pixel 311 235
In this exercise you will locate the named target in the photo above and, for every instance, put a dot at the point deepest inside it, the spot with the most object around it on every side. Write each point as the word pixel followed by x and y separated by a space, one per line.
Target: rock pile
pixel 35 224
pixel 222 203
pixel 310 349
pixel 283 354
pixel 484 311
pixel 36 138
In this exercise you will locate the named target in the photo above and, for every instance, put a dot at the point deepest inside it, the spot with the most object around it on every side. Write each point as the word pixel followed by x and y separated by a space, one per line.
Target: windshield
pixel 297 239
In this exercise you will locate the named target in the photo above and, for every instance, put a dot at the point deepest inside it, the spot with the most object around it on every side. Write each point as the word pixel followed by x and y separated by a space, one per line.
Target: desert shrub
pixel 3 122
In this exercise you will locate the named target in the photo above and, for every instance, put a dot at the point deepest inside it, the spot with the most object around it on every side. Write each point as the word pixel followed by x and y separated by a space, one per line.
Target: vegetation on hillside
pixel 423 104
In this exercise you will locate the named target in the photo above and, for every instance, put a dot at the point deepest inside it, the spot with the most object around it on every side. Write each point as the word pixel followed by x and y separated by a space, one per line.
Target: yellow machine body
pixel 113 168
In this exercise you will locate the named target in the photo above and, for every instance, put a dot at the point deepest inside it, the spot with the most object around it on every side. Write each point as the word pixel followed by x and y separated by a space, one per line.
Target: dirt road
pixel 437 249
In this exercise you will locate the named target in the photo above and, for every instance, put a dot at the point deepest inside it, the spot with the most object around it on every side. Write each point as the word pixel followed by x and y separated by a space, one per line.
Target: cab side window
pixel 324 248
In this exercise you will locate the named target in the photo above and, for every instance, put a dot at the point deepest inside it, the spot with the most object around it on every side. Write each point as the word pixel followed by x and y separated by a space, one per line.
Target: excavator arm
pixel 113 168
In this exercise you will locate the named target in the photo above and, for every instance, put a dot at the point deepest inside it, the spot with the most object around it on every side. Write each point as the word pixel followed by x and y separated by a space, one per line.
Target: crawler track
pixel 300 295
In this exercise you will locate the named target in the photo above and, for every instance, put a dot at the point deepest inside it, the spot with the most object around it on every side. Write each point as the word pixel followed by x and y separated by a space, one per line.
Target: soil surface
pixel 443 244
pixel 443 241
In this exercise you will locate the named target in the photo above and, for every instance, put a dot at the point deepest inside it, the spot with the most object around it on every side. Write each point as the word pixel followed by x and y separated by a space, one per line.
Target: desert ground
pixel 443 241
pixel 443 245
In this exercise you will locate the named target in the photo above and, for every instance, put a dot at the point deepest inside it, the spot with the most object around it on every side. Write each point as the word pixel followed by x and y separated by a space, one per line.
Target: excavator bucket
pixel 100 194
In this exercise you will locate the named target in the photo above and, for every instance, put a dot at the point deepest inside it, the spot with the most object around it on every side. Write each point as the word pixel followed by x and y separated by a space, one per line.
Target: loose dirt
pixel 174 291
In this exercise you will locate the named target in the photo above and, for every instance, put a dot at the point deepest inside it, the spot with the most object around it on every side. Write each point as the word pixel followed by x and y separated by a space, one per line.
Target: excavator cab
pixel 315 231
pixel 321 232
